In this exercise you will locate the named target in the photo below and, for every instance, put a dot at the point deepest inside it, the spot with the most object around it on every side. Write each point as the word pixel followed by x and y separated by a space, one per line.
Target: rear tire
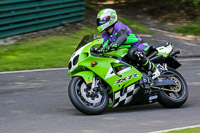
pixel 82 101
pixel 174 99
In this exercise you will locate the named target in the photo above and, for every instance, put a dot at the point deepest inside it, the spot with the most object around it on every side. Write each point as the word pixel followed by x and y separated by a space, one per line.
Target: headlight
pixel 75 60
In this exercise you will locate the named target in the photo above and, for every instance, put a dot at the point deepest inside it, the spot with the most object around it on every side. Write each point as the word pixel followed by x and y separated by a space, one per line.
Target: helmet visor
pixel 103 20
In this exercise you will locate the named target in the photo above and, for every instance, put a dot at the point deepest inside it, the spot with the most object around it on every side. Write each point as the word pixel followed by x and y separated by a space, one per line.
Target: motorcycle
pixel 107 79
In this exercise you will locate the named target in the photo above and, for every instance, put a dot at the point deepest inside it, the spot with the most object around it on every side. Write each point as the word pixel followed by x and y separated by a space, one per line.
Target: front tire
pixel 83 101
pixel 179 96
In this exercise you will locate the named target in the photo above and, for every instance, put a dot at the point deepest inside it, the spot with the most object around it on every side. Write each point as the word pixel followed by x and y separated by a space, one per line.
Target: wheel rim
pixel 178 91
pixel 178 87
pixel 89 100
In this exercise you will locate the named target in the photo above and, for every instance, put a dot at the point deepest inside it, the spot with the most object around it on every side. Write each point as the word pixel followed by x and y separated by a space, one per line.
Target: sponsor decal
pixel 119 81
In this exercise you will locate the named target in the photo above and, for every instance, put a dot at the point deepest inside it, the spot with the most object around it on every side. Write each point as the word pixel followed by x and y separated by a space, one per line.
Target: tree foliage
pixel 193 2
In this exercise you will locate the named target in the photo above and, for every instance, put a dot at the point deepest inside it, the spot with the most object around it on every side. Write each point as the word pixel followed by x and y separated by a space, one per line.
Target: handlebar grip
pixel 176 52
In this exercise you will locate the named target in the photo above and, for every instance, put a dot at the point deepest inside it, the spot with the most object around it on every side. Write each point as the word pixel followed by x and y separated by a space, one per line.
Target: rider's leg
pixel 150 66
pixel 139 56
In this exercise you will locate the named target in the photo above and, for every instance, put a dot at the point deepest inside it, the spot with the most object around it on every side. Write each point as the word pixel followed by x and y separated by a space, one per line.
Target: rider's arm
pixel 121 32
pixel 135 41
pixel 121 37
pixel 106 40
pixel 105 43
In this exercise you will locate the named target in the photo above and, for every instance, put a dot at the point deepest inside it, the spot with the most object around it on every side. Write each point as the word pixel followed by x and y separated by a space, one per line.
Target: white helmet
pixel 105 19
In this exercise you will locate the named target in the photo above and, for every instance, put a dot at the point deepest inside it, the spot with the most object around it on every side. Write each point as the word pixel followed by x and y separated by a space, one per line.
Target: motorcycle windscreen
pixel 86 39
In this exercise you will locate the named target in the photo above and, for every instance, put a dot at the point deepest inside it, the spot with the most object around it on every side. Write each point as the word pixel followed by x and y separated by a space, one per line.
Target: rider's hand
pixel 106 48
pixel 113 45
pixel 103 49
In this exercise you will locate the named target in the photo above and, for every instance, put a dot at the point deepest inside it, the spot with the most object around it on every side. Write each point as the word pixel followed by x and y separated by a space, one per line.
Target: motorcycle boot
pixel 150 66
pixel 156 73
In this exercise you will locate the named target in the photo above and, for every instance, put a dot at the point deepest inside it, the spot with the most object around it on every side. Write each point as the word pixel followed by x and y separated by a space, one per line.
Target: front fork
pixel 94 84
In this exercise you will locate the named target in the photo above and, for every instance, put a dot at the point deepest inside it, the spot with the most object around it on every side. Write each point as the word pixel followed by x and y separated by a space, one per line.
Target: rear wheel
pixel 88 102
pixel 177 95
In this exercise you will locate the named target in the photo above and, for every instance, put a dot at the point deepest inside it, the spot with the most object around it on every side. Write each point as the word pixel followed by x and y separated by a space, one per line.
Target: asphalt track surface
pixel 37 102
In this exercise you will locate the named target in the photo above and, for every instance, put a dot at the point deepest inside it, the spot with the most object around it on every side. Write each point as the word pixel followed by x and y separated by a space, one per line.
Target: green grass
pixel 189 130
pixel 135 25
pixel 190 29
pixel 42 52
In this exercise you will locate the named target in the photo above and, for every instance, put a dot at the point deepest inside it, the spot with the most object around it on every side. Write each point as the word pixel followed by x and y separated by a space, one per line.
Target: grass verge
pixel 190 29
pixel 189 130
pixel 136 26
pixel 42 52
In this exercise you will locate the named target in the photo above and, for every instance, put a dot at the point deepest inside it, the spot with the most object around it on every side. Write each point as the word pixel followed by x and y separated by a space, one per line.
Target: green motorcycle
pixel 101 80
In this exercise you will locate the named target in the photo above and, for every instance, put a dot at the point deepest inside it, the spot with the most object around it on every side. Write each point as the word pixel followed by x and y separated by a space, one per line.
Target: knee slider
pixel 131 54
pixel 139 54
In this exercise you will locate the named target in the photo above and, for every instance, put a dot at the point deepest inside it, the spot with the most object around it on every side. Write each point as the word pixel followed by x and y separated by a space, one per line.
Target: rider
pixel 116 34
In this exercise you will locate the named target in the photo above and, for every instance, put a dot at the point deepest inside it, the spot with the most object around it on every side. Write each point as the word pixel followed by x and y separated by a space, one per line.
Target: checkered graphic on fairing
pixel 124 98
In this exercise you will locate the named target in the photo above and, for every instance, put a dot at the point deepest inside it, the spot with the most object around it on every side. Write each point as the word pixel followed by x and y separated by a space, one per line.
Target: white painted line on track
pixel 189 59
pixel 35 70
pixel 173 129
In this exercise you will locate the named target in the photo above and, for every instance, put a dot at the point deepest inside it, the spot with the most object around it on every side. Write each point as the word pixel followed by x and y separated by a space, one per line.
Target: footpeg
pixel 145 82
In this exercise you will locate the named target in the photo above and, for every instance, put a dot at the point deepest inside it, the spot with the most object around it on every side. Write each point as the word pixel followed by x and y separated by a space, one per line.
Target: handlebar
pixel 96 50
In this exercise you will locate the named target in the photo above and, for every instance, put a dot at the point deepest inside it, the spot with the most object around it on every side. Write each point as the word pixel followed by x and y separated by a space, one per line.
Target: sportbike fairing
pixel 114 72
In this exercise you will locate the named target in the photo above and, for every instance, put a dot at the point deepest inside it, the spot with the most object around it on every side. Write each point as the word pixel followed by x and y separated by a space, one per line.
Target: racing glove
pixel 106 48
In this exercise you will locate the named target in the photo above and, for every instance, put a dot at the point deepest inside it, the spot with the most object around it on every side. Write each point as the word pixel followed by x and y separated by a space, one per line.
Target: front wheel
pixel 178 94
pixel 86 101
